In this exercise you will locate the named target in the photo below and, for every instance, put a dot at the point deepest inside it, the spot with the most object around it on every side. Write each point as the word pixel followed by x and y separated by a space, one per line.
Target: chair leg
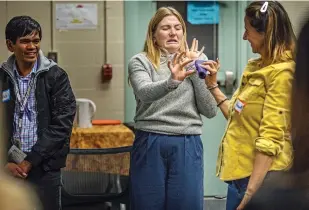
pixel 123 206
pixel 116 206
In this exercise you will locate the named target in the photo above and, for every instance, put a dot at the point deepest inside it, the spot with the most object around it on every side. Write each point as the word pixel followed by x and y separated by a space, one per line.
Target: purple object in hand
pixel 200 70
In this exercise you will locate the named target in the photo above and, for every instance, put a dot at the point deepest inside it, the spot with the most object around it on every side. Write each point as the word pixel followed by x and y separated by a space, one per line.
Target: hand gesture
pixel 193 52
pixel 212 67
pixel 25 166
pixel 15 170
pixel 176 67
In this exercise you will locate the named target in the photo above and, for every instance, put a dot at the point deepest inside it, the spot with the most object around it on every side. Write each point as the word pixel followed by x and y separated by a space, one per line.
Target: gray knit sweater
pixel 165 105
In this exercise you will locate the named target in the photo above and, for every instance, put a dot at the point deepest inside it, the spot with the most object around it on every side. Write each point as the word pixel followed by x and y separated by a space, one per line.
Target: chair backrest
pixel 97 172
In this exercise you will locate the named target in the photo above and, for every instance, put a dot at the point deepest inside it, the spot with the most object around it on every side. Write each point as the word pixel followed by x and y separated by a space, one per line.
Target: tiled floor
pixel 214 204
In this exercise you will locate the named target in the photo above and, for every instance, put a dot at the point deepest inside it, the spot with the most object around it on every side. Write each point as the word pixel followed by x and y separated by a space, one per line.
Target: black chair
pixel 97 179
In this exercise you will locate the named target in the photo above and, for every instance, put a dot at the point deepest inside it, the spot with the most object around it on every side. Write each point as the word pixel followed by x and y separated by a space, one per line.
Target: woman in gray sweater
pixel 167 158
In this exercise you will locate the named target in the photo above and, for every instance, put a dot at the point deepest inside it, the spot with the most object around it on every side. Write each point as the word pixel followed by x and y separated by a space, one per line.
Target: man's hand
pixel 15 170
pixel 25 166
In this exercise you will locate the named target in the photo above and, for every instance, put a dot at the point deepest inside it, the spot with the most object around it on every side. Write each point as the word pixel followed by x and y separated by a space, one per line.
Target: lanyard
pixel 23 101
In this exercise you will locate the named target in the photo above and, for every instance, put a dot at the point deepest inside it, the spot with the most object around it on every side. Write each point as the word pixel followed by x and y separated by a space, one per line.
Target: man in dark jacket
pixel 40 107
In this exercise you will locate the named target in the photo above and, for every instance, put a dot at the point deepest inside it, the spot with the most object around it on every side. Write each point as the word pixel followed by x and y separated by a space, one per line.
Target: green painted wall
pixel 137 17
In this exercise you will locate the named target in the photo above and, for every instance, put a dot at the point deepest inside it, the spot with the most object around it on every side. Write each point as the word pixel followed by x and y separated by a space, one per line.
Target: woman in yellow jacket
pixel 257 136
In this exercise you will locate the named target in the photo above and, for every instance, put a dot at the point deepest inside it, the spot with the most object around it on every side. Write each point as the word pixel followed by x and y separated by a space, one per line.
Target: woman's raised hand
pixel 177 65
pixel 193 53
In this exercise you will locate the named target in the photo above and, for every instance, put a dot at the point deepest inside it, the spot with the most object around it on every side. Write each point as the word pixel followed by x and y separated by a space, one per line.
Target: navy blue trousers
pixel 166 172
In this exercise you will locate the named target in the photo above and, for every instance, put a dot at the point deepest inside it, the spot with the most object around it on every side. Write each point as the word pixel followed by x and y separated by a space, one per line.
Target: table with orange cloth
pixel 101 137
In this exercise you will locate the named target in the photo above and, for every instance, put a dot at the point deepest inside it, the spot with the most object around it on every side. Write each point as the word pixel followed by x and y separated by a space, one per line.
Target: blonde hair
pixel 276 25
pixel 153 51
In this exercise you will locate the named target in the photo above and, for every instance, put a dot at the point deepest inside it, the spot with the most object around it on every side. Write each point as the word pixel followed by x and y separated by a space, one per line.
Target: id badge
pixel 239 106
pixel 16 155
pixel 6 95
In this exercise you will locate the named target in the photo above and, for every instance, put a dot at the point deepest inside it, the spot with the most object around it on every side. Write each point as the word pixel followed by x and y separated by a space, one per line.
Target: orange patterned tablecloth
pixel 101 137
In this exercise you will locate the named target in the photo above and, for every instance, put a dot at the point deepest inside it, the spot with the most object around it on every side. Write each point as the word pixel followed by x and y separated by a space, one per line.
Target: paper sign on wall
pixel 203 12
pixel 76 16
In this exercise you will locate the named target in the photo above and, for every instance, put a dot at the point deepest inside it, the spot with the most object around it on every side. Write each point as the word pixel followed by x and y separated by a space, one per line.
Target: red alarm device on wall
pixel 107 72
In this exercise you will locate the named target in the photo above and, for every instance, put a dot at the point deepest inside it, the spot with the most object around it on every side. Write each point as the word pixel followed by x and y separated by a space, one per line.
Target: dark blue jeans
pixel 47 186
pixel 235 193
pixel 166 172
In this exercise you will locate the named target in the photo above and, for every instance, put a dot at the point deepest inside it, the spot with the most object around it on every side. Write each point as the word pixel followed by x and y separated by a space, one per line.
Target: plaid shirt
pixel 28 133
